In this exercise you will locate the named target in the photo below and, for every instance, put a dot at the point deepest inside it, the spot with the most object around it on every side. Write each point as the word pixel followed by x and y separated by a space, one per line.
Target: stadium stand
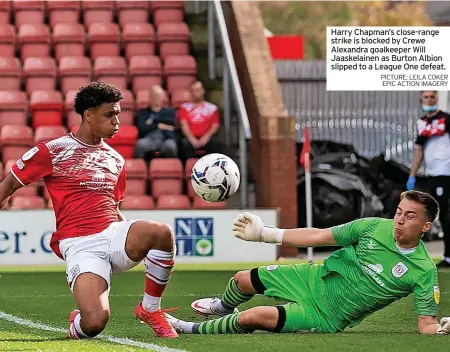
pixel 48 49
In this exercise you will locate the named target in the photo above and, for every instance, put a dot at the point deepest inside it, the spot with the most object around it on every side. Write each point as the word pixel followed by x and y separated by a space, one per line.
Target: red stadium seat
pixel 166 176
pixel 97 12
pixel 34 40
pixel 44 134
pixel 137 202
pixel 13 108
pixel 8 37
pixel 173 39
pixel 136 169
pixel 167 11
pixel 123 142
pixel 27 202
pixel 69 39
pixel 10 73
pixel 136 176
pixel 126 116
pixel 180 72
pixel 139 39
pixel 132 12
pixel 5 11
pixel 112 70
pixel 143 99
pixel 179 97
pixel 173 202
pixel 15 140
pixel 199 203
pixel 47 108
pixel 187 175
pixel 145 71
pixel 28 12
pixel 166 168
pixel 74 72
pixel 40 73
pixel 73 119
pixel 104 39
pixel 63 12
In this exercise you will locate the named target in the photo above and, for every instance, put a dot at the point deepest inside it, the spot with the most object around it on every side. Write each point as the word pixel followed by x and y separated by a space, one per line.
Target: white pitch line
pixel 109 338
pixel 112 295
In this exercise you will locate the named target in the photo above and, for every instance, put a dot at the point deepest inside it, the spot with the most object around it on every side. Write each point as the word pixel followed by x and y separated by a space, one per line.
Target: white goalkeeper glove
pixel 445 326
pixel 249 227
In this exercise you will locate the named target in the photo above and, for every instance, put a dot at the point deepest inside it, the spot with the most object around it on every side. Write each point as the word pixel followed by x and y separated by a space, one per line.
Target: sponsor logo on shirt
pixel 378 268
pixel 373 270
pixel 399 270
pixel 371 245
pixel 436 294
pixel 272 267
pixel 20 164
pixel 29 154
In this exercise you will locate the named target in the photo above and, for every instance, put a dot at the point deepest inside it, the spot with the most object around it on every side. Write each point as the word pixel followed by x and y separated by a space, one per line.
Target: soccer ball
pixel 215 177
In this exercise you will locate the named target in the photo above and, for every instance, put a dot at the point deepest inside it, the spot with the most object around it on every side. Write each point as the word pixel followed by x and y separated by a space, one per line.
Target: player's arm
pixel 119 192
pixel 428 325
pixel 417 159
pixel 427 296
pixel 7 187
pixel 249 227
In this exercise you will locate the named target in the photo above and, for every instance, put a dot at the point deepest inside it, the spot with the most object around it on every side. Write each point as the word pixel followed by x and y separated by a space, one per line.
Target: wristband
pixel 271 234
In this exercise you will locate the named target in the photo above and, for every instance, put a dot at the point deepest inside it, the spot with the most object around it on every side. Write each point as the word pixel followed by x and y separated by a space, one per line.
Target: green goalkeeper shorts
pixel 302 287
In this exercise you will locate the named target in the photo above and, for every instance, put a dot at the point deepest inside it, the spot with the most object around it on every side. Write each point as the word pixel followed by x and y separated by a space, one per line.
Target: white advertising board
pixel 202 236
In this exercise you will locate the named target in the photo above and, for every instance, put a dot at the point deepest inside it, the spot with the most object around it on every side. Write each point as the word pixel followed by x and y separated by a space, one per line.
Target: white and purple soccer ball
pixel 215 177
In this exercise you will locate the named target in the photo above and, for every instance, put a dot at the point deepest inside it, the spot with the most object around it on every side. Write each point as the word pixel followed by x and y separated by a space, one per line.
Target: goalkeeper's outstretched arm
pixel 249 227
pixel 429 325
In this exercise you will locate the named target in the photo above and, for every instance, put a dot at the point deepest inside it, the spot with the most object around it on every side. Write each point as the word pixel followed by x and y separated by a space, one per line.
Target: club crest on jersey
pixel 29 154
pixel 399 270
pixel 436 294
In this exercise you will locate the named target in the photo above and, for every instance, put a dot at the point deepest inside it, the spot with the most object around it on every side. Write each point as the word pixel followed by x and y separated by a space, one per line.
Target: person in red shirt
pixel 86 181
pixel 199 121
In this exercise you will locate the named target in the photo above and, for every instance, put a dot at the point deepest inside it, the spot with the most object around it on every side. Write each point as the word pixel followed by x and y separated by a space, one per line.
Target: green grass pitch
pixel 41 297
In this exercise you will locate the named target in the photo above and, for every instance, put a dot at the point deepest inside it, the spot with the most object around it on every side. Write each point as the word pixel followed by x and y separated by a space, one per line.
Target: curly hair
pixel 95 94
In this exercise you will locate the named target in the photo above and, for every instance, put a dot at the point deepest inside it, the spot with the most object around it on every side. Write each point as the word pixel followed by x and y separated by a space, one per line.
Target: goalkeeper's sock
pixel 232 297
pixel 228 324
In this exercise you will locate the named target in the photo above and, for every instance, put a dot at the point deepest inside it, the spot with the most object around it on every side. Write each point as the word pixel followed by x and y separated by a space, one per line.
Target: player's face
pixel 104 120
pixel 410 222
pixel 429 98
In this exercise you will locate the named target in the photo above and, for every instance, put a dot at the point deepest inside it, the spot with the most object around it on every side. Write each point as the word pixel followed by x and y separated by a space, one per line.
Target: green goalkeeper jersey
pixel 370 272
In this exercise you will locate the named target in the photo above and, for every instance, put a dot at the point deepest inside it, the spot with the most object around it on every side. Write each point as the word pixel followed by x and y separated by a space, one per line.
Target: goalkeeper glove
pixel 445 326
pixel 249 227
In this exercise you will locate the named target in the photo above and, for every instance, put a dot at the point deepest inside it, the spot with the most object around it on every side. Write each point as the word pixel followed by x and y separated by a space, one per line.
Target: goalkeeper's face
pixel 410 222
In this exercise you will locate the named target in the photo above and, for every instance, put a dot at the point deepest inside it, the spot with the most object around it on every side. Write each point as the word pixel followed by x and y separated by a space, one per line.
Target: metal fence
pixel 373 122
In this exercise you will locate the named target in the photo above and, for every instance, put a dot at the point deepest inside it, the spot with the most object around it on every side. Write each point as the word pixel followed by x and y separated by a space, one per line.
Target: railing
pixel 373 122
pixel 216 21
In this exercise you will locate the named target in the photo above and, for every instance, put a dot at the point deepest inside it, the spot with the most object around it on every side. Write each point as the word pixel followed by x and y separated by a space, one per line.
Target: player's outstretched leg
pixel 153 242
pixel 239 290
pixel 257 318
pixel 91 296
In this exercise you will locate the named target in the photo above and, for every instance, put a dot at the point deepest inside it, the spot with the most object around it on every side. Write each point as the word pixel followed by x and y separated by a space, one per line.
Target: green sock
pixel 226 325
pixel 232 297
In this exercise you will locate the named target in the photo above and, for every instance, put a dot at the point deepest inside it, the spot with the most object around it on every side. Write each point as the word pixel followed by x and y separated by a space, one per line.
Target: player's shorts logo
pixel 399 270
pixel 29 154
pixel 436 294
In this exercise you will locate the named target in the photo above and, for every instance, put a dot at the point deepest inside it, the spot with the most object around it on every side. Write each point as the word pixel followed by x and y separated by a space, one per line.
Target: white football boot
pixel 205 307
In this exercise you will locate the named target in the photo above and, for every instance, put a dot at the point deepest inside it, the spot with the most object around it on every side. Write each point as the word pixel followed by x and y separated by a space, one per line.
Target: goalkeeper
pixel 381 261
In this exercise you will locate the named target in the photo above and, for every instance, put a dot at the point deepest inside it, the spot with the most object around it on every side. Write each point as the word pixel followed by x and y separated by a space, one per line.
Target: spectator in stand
pixel 156 126
pixel 199 123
